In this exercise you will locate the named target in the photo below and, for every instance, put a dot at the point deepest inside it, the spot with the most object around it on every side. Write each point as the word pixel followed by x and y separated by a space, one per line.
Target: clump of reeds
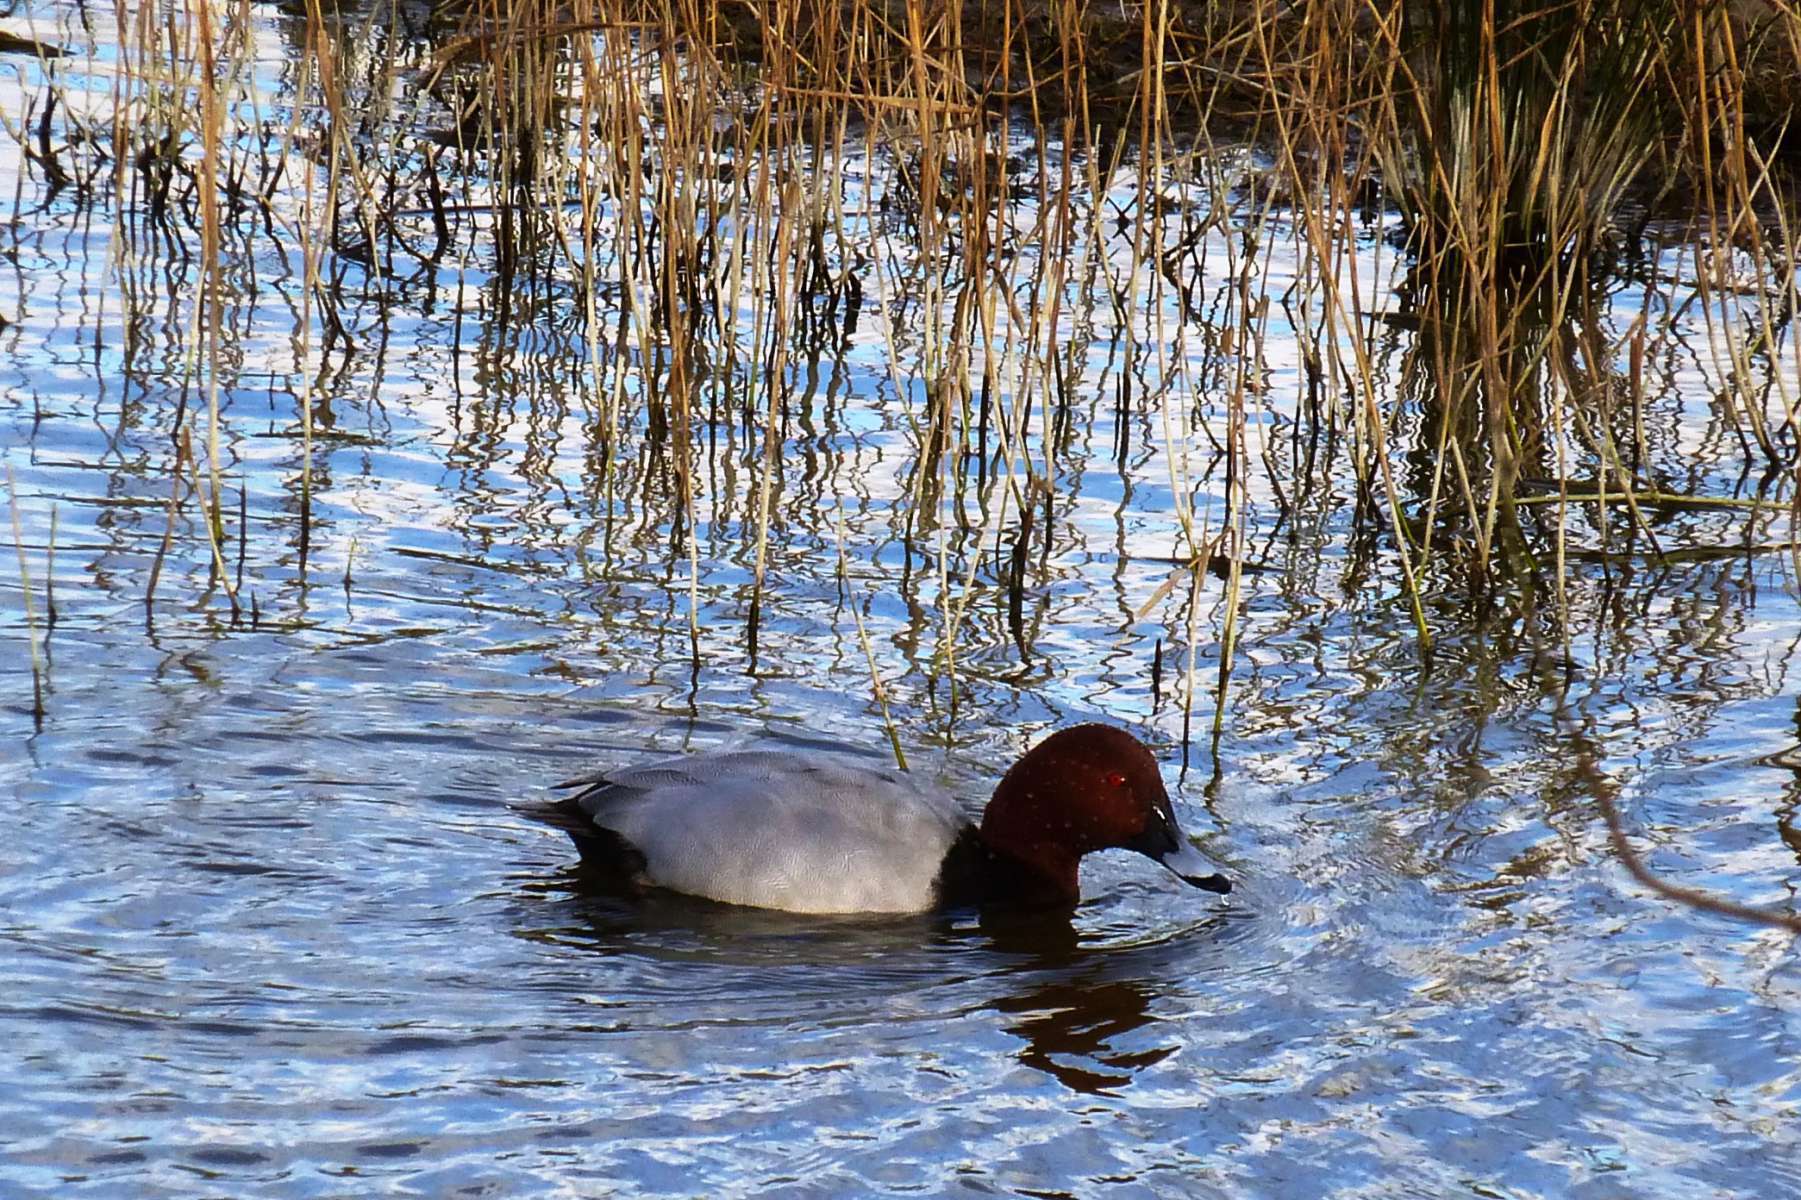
pixel 1513 133
pixel 660 184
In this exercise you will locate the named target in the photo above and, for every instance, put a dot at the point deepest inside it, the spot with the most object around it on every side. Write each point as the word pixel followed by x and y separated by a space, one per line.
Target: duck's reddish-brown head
pixel 1088 788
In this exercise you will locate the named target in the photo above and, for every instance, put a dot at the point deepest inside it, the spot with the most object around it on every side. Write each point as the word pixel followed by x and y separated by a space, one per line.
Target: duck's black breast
pixel 976 875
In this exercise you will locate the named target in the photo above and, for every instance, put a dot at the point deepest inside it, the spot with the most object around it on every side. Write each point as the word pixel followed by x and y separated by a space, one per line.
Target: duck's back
pixel 776 828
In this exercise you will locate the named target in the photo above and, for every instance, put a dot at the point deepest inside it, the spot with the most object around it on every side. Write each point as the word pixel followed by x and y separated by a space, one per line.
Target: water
pixel 269 927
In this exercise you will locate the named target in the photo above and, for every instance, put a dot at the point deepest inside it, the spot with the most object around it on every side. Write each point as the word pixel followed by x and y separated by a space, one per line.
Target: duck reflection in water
pixel 1079 1007
pixel 1071 1027
pixel 1082 1009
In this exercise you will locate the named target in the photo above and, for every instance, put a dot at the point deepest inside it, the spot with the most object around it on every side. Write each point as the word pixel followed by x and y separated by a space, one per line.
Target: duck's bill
pixel 1164 842
pixel 1186 864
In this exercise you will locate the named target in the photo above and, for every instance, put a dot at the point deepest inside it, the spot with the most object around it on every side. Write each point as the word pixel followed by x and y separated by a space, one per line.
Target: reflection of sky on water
pixel 274 929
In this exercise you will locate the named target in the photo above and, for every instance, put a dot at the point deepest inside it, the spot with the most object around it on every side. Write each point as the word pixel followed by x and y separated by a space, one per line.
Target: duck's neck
pixel 1028 857
pixel 976 871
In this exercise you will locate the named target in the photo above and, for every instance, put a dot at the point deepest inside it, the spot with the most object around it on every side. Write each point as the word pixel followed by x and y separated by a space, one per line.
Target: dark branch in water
pixel 1604 791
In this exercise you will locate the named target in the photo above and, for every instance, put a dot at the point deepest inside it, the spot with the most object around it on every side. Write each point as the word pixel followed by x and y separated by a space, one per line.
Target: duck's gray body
pixel 773 828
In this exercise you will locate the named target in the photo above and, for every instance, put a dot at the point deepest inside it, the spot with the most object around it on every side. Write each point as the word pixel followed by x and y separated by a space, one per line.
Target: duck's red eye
pixel 1116 778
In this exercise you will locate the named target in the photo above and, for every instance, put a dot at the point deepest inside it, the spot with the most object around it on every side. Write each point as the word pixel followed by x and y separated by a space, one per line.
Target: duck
pixel 779 827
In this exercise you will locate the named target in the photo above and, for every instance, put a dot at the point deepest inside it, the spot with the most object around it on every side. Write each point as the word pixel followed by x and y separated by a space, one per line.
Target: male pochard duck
pixel 782 829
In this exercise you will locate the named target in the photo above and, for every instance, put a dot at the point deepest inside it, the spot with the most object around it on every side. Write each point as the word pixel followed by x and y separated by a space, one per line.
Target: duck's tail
pixel 599 847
